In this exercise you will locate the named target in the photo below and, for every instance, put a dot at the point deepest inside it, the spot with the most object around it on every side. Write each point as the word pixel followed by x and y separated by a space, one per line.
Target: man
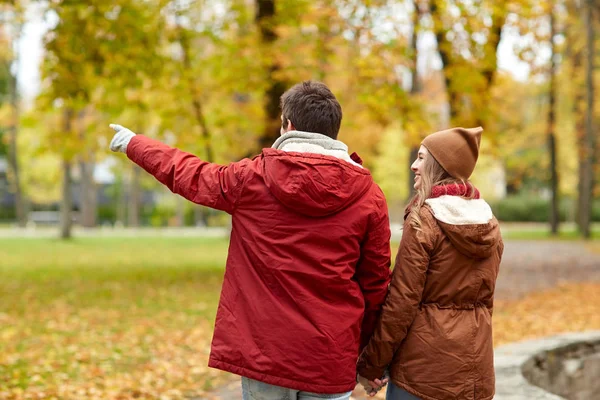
pixel 309 258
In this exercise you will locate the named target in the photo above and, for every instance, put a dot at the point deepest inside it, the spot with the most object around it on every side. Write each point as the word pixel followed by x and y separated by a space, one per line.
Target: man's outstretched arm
pixel 209 184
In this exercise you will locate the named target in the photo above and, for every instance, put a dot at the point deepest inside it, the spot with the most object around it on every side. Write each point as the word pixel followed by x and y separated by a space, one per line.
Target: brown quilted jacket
pixel 435 332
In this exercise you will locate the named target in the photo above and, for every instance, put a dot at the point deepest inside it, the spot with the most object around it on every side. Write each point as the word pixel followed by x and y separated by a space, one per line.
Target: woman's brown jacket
pixel 435 331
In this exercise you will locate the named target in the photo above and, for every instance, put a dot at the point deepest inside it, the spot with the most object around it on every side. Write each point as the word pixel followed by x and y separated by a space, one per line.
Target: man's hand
pixel 372 387
pixel 121 139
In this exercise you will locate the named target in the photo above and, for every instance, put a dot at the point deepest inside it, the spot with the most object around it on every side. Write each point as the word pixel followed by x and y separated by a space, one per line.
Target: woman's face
pixel 417 166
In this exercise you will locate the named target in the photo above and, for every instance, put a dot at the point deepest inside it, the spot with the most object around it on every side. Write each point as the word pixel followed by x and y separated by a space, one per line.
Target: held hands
pixel 372 387
pixel 121 138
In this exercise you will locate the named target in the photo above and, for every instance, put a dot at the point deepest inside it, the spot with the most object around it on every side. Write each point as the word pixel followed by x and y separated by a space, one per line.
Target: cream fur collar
pixel 456 210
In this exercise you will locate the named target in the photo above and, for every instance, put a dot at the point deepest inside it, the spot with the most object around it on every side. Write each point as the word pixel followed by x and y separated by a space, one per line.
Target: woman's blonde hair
pixel 432 174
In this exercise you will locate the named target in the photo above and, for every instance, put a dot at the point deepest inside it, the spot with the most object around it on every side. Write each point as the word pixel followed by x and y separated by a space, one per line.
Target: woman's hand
pixel 372 387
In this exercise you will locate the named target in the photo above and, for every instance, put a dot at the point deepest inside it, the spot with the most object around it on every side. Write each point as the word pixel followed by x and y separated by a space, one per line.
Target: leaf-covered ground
pixel 111 318
pixel 566 308
pixel 108 318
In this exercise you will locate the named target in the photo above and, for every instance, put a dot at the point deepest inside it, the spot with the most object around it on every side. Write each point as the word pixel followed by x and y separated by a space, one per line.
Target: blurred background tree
pixel 12 19
pixel 207 76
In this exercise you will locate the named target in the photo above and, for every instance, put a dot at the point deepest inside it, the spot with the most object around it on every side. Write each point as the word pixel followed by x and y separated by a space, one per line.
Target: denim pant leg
pixel 397 393
pixel 317 396
pixel 256 390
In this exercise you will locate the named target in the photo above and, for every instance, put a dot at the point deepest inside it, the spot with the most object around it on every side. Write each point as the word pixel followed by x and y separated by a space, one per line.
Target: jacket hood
pixel 468 223
pixel 313 184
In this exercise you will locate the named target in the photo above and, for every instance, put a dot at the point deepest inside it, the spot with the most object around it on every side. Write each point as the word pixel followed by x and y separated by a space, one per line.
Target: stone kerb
pixel 564 363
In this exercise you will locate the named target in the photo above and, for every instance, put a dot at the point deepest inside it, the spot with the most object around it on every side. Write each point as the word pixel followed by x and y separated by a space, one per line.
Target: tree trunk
pixel 13 164
pixel 12 159
pixel 198 109
pixel 574 52
pixel 265 20
pixel 89 194
pixel 180 211
pixel 587 158
pixel 554 216
pixel 121 203
pixel 87 187
pixel 488 63
pixel 444 50
pixel 579 114
pixel 133 215
pixel 66 206
pixel 200 215
pixel 322 48
pixel 412 156
pixel 415 88
pixel 197 105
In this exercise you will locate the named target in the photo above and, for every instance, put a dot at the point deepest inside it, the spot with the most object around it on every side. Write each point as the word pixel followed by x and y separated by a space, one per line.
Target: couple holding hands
pixel 309 306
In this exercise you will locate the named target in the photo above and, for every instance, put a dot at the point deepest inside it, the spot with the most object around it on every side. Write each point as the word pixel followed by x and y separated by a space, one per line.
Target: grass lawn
pixel 115 318
pixel 542 232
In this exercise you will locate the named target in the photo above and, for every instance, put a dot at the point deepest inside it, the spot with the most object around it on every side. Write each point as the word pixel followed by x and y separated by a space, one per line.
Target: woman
pixel 435 332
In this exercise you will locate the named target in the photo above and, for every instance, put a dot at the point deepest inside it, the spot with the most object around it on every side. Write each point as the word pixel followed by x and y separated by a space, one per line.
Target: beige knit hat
pixel 455 149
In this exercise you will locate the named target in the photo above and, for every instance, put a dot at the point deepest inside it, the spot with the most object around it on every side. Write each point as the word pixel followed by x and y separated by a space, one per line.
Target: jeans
pixel 255 390
pixel 396 393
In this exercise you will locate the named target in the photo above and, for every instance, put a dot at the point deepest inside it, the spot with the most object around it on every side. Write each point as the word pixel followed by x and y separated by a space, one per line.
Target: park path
pixel 527 266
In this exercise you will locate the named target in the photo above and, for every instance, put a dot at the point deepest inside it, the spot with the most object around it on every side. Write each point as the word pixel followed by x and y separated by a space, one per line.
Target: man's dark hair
pixel 312 108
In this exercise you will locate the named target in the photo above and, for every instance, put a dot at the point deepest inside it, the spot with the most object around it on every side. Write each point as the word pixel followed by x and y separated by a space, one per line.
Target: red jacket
pixel 308 263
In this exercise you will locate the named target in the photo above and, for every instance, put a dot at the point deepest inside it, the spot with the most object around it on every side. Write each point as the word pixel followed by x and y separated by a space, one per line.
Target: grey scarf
pixel 308 142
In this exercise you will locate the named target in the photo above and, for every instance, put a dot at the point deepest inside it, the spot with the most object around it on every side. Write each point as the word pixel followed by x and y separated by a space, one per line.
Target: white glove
pixel 121 139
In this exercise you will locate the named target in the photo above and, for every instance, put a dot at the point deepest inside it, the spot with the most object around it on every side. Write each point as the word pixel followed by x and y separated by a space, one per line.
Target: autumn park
pixel 110 283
